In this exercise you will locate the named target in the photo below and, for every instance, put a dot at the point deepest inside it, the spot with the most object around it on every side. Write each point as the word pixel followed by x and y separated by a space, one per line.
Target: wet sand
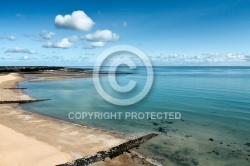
pixel 55 75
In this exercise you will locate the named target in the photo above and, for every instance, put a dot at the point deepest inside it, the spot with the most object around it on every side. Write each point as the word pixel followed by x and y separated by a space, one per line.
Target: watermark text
pixel 124 115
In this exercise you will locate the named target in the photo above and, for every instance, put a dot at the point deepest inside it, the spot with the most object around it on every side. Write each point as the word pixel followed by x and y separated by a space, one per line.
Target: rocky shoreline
pixel 111 153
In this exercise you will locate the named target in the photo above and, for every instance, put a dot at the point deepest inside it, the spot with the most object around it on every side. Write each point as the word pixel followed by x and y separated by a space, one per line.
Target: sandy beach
pixel 30 139
pixel 19 149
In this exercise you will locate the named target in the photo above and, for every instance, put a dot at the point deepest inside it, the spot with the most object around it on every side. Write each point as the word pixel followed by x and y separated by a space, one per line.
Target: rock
pixel 247 144
pixel 211 139
pixel 195 162
pixel 155 124
pixel 217 153
pixel 162 130
pixel 174 130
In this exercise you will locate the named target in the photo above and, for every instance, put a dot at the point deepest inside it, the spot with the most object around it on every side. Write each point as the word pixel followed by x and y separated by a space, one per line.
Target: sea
pixel 214 103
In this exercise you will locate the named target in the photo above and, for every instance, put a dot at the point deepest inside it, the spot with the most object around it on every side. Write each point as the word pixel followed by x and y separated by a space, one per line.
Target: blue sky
pixel 171 32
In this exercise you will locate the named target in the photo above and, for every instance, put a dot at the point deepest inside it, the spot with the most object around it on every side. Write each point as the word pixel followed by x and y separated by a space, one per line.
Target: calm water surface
pixel 214 103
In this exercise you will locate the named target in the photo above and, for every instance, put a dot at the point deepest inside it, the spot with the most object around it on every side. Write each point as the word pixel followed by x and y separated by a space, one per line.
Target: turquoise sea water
pixel 214 103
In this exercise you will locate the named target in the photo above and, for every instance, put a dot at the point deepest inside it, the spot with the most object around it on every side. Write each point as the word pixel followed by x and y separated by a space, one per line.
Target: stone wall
pixel 22 101
pixel 111 153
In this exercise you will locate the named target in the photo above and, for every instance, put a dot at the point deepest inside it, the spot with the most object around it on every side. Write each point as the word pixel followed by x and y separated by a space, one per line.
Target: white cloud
pixel 124 24
pixel 20 15
pixel 25 57
pixel 202 59
pixel 91 45
pixel 73 39
pixel 6 57
pixel 20 50
pixel 46 34
pixel 247 58
pixel 64 43
pixel 78 20
pixel 11 38
pixel 102 35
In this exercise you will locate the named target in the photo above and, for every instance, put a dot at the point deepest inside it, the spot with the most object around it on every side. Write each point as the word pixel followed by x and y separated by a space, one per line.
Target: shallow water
pixel 214 103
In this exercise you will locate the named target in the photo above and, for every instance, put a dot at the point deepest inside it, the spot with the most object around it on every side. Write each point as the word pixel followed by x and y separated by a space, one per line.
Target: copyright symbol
pixel 112 76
